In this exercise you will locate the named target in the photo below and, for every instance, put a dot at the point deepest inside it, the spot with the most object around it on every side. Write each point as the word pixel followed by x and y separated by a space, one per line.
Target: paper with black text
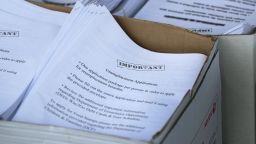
pixel 99 80
pixel 205 17
pixel 24 44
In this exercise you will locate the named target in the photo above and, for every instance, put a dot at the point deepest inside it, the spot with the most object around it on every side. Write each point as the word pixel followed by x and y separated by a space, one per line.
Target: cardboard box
pixel 197 120
pixel 238 75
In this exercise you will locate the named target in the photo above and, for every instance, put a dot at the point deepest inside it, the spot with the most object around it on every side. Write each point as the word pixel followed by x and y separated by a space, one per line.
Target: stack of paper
pixel 205 17
pixel 95 78
pixel 25 33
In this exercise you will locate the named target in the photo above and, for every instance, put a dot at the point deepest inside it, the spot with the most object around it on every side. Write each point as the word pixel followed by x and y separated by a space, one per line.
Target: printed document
pixel 99 80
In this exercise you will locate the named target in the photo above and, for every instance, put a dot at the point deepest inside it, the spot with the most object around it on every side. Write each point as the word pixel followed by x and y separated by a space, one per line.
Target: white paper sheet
pixel 24 43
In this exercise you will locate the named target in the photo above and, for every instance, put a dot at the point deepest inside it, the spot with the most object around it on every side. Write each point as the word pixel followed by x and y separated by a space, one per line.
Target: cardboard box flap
pixel 165 38
pixel 159 136
pixel 205 68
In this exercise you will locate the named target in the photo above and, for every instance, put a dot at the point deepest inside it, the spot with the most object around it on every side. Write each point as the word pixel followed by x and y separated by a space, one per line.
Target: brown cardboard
pixel 165 38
